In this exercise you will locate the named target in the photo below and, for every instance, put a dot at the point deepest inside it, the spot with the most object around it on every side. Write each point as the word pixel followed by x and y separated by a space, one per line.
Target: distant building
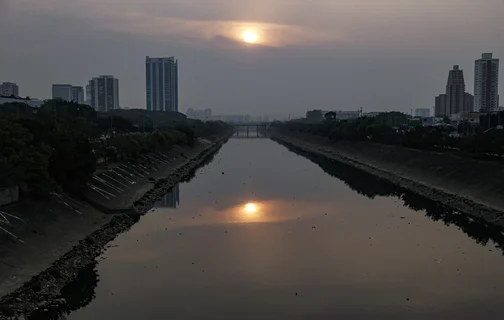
pixel 468 103
pixel 88 93
pixel 347 115
pixel 440 106
pixel 8 89
pixel 62 91
pixel 371 114
pixel 203 115
pixel 87 99
pixel 314 116
pixel 455 91
pixel 68 92
pixel 161 84
pixel 78 94
pixel 104 93
pixel 486 83
pixel 239 118
pixel 422 112
pixel 208 114
pixel 471 117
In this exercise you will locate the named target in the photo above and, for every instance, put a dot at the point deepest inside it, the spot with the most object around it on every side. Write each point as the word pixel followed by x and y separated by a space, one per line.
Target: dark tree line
pixel 57 147
pixel 391 128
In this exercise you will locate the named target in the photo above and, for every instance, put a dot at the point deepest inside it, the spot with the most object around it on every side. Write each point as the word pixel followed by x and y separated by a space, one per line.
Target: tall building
pixel 161 76
pixel 9 89
pixel 468 103
pixel 88 95
pixel 104 93
pixel 486 83
pixel 422 112
pixel 455 91
pixel 78 94
pixel 440 106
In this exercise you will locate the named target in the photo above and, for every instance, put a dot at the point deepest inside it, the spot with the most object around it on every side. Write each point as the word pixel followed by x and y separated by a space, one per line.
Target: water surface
pixel 264 233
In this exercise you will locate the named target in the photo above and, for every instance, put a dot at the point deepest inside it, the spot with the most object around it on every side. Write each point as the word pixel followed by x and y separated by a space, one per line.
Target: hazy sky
pixel 327 54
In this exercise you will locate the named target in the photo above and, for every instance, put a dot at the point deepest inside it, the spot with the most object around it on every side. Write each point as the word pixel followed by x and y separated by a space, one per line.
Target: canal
pixel 263 232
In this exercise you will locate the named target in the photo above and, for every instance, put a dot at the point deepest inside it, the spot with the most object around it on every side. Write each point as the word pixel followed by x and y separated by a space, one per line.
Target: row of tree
pixel 383 129
pixel 57 146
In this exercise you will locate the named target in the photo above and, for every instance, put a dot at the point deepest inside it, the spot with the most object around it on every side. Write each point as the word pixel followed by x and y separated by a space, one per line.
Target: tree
pixel 188 131
pixel 22 161
pixel 331 115
pixel 60 111
pixel 72 161
pixel 120 124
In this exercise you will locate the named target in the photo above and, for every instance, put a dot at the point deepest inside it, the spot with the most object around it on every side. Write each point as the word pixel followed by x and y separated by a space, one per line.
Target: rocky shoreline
pixel 43 292
pixel 452 201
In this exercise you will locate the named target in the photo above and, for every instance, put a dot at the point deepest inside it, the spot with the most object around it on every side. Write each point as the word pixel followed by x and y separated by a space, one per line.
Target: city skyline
pixel 461 103
pixel 349 46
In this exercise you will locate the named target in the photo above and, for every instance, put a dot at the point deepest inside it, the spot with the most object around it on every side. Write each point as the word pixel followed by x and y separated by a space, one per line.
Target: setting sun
pixel 250 37
pixel 251 208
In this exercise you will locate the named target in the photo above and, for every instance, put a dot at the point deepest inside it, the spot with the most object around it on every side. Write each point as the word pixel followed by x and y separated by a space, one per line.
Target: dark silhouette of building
pixel 455 91
pixel 440 106
pixel 468 103
pixel 486 83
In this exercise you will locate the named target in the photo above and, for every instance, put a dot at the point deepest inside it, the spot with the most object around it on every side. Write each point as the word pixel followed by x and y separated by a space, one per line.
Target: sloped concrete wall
pixel 9 195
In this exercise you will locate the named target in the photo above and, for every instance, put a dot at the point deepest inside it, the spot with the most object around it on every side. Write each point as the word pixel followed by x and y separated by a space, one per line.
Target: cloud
pixel 270 34
pixel 131 19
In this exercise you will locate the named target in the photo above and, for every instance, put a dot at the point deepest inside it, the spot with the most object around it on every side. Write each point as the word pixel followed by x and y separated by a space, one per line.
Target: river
pixel 264 233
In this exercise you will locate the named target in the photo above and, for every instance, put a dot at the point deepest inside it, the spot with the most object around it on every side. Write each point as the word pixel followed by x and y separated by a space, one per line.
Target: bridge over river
pixel 251 130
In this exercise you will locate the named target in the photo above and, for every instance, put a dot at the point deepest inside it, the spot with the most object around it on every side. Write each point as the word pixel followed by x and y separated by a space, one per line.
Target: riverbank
pixel 48 252
pixel 471 186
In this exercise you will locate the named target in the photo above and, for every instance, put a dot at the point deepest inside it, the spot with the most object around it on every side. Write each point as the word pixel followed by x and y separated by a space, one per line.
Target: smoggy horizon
pixel 333 55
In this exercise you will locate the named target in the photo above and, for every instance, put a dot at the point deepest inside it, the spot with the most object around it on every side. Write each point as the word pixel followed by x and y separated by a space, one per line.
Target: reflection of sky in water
pixel 346 255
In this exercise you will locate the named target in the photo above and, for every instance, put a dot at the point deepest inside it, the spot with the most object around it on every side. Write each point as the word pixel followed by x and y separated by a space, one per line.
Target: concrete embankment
pixel 474 187
pixel 54 240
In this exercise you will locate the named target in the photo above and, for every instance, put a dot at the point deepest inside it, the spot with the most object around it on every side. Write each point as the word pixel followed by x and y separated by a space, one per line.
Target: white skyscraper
pixel 104 93
pixel 161 84
pixel 486 83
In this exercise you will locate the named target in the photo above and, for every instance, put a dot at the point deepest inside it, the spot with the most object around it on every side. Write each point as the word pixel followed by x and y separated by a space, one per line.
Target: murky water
pixel 263 233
